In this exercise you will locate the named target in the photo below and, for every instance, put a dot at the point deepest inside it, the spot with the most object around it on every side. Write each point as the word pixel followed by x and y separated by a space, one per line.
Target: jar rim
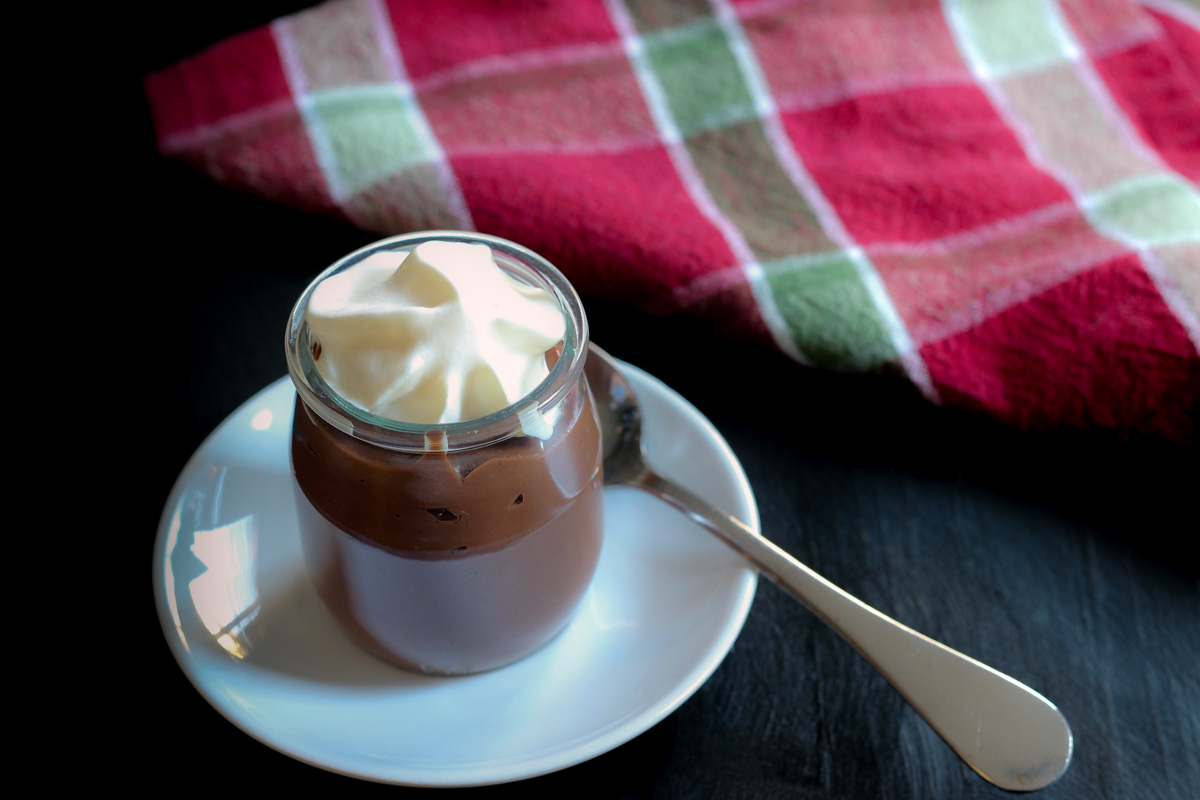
pixel 323 400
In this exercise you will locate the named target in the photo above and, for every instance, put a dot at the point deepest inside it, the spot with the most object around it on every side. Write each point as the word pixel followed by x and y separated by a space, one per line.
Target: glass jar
pixel 451 548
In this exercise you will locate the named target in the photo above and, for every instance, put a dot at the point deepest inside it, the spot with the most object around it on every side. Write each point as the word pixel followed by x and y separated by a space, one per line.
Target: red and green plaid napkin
pixel 997 197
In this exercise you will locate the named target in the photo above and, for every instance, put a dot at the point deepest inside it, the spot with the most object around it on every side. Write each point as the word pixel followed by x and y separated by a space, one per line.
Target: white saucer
pixel 249 631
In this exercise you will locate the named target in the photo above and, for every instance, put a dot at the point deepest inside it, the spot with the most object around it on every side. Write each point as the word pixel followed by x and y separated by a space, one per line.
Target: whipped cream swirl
pixel 437 335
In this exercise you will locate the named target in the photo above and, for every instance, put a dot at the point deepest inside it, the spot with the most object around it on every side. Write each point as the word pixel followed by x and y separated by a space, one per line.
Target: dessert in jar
pixel 445 449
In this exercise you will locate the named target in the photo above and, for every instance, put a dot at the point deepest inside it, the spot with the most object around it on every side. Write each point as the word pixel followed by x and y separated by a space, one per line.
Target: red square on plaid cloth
pixel 1099 350
pixel 944 287
pixel 611 195
pixel 918 164
pixel 1109 26
pixel 1159 100
pixel 557 105
pixel 817 53
pixel 441 35
pixel 238 76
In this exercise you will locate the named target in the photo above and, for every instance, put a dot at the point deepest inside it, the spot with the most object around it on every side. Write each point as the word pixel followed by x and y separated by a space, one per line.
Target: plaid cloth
pixel 996 197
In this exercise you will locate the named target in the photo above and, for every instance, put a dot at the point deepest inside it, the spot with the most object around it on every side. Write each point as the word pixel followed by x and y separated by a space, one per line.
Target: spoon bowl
pixel 1012 736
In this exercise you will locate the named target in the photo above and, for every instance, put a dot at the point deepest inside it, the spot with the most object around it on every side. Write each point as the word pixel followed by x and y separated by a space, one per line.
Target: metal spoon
pixel 1005 731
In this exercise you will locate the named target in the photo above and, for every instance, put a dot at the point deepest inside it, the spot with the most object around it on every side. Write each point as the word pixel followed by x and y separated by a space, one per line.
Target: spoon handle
pixel 1008 733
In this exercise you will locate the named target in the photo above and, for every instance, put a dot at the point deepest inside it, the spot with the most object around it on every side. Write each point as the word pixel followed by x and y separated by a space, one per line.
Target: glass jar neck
pixel 527 415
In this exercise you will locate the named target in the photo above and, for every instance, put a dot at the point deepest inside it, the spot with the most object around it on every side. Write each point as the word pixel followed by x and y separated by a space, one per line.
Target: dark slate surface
pixel 1063 560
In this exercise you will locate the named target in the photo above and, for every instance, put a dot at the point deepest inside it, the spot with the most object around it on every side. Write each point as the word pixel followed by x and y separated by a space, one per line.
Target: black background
pixel 1062 559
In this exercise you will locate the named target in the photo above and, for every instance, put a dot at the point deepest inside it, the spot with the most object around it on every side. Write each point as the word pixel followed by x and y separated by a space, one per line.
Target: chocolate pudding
pixel 455 546
pixel 451 562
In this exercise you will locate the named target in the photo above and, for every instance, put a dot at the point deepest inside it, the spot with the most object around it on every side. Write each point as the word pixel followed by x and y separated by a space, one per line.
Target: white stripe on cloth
pixel 398 86
pixel 293 69
pixel 1169 288
pixel 385 37
pixel 830 222
pixel 694 183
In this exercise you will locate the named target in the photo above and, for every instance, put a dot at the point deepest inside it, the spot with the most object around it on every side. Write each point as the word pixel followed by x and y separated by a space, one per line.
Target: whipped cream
pixel 436 335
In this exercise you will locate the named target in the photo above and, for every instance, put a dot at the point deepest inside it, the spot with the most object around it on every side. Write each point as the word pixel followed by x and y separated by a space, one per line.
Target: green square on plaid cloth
pixel 1010 35
pixel 830 315
pixel 654 15
pixel 700 78
pixel 371 133
pixel 1152 211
